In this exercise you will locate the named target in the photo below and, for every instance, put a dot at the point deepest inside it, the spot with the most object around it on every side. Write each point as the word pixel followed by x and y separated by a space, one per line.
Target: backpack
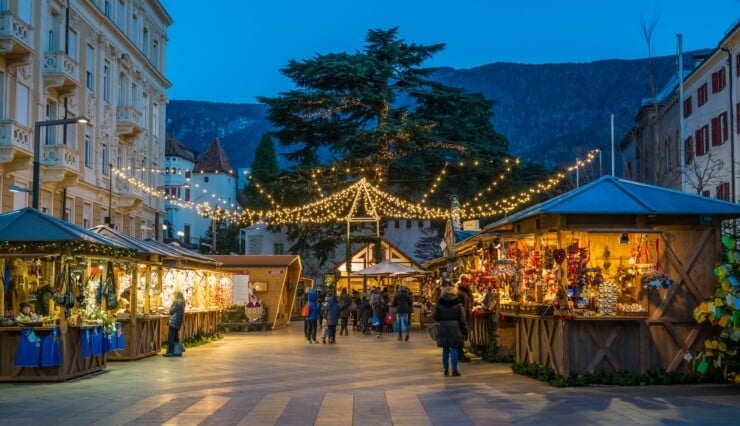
pixel 305 311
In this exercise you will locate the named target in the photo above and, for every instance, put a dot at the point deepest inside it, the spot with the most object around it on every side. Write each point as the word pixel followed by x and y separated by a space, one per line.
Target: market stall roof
pixel 28 225
pixel 611 195
pixel 241 261
pixel 387 267
pixel 141 246
pixel 175 251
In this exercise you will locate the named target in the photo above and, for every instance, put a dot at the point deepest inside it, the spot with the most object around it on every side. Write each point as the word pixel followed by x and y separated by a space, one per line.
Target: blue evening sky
pixel 232 50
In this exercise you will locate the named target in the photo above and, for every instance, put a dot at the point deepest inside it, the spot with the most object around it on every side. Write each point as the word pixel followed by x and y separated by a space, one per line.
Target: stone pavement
pixel 278 378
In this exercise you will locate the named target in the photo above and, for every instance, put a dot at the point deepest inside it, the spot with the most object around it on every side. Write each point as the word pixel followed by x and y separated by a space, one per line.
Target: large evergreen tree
pixel 377 109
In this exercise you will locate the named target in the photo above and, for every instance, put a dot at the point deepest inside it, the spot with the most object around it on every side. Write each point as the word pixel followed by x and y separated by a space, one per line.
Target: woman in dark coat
pixel 450 315
pixel 177 312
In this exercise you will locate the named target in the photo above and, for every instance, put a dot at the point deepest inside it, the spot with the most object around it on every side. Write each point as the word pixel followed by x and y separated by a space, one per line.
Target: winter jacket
pixel 313 306
pixel 332 310
pixel 177 312
pixel 450 315
pixel 402 302
pixel 378 304
pixel 344 302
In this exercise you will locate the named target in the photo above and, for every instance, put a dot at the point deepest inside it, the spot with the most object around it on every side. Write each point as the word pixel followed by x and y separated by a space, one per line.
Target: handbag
pixel 305 311
pixel 376 320
pixel 433 331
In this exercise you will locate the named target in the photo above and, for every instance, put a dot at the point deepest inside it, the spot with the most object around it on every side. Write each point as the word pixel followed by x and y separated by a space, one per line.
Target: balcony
pixel 15 37
pixel 16 151
pixel 128 122
pixel 61 73
pixel 129 197
pixel 62 165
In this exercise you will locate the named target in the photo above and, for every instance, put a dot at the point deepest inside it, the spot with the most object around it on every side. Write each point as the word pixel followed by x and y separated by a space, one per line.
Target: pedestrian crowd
pixel 376 313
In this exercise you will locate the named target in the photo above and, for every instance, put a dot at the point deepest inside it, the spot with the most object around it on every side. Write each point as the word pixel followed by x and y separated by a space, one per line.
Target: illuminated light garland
pixel 236 213
pixel 262 192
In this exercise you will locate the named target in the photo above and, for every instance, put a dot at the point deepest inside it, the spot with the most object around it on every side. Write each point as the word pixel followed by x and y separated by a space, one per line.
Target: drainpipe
pixel 732 126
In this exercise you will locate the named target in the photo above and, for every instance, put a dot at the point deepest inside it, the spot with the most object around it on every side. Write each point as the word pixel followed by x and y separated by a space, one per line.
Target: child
pixel 324 330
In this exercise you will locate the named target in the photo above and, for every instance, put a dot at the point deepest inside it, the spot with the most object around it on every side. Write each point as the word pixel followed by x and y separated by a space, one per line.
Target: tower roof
pixel 175 148
pixel 214 160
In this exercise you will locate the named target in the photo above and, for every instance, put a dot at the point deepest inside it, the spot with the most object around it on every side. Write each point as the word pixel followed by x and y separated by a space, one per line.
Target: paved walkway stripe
pixel 267 411
pixel 137 410
pixel 406 409
pixel 199 411
pixel 335 410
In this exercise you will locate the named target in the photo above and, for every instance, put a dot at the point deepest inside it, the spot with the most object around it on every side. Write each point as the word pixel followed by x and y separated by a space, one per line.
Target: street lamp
pixel 37 148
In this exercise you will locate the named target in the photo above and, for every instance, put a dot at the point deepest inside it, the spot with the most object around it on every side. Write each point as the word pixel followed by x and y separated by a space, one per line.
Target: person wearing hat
pixel 25 314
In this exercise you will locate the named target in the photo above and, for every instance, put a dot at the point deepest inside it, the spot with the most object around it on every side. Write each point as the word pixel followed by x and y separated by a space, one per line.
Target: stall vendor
pixel 25 314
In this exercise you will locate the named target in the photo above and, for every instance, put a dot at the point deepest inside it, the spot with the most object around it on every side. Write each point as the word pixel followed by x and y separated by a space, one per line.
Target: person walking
pixel 364 314
pixel 453 329
pixel 403 304
pixel 312 317
pixel 345 301
pixel 177 313
pixel 332 317
pixel 378 305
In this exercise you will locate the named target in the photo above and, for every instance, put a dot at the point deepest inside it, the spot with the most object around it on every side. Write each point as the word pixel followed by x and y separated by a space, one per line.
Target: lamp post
pixel 37 148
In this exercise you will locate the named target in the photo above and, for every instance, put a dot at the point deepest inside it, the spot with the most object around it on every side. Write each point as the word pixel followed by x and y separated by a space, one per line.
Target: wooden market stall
pixel 266 285
pixel 141 323
pixel 382 253
pixel 66 272
pixel 206 287
pixel 606 277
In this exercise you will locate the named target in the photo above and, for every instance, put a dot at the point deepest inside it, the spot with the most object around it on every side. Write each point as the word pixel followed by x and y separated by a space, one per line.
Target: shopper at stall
pixel 403 305
pixel 312 317
pixel 453 329
pixel 177 314
pixel 466 298
pixel 345 301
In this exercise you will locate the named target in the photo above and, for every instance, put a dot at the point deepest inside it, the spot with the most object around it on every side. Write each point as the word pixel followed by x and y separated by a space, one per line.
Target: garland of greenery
pixel 618 378
pixel 490 351
pixel 72 248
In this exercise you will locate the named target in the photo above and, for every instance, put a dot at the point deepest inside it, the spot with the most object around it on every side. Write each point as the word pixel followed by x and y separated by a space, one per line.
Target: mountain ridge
pixel 550 113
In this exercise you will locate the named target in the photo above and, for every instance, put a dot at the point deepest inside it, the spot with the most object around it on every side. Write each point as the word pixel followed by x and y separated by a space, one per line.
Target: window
pixel 720 132
pixel 106 8
pixel 718 80
pixel 702 140
pixel 134 28
pixel 22 96
pixel 86 215
pixel 155 120
pixel 145 110
pixel 187 194
pixel 737 117
pixel 396 224
pixel 134 95
pixel 122 85
pixel 72 43
pixel 689 150
pixel 106 81
pixel 702 95
pixel 24 11
pixel 687 107
pixel 205 179
pixel 50 42
pixel 155 53
pixel 105 166
pixel 737 65
pixel 145 42
pixel 90 68
pixel 277 248
pixel 254 244
pixel 121 15
pixel 723 191
pixel 408 223
pixel 88 152
pixel 2 94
